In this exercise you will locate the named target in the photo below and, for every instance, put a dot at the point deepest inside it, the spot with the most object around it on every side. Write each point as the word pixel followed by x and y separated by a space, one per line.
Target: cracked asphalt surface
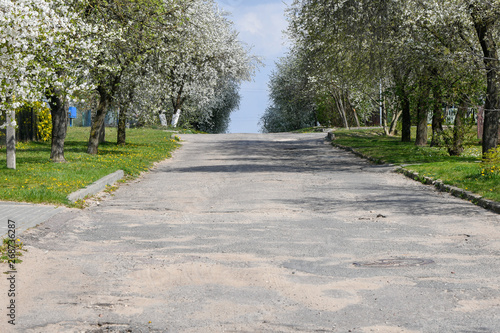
pixel 263 233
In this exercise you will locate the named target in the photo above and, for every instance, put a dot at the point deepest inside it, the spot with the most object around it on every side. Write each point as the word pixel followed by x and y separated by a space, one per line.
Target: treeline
pixel 354 60
pixel 141 57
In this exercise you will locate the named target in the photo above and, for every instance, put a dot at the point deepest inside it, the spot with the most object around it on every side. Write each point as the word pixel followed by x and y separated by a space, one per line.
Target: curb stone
pixel 438 184
pixel 357 153
pixel 453 190
pixel 96 186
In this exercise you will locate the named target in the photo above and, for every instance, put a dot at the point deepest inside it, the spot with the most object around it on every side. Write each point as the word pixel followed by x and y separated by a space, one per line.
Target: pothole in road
pixel 397 262
pixel 107 327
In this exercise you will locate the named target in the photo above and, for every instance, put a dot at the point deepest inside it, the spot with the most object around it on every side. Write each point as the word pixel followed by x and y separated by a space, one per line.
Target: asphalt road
pixel 263 233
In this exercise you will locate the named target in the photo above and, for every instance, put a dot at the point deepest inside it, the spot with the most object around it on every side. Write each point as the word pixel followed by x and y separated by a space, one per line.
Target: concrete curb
pixel 357 153
pixel 96 186
pixel 455 191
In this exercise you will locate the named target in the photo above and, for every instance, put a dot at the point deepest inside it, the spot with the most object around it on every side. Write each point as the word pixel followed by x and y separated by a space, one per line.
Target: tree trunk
pixel 405 120
pixel 98 121
pixel 337 95
pixel 122 117
pixel 177 104
pixel 437 118
pixel 422 113
pixel 122 126
pixel 394 122
pixel 484 29
pixel 175 118
pixel 343 115
pixel 456 148
pixel 59 113
pixel 400 79
pixel 11 140
pixel 102 132
pixel 355 117
pixel 384 117
pixel 350 107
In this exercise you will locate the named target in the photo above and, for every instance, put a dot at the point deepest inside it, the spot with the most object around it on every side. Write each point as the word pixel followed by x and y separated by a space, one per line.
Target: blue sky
pixel 260 24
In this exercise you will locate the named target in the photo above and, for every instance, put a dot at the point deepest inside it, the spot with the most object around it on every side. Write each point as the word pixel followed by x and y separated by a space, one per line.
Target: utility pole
pixel 381 103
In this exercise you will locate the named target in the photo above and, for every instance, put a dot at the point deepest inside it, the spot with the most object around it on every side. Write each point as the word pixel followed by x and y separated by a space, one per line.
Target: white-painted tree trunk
pixel 175 118
pixel 163 120
pixel 11 139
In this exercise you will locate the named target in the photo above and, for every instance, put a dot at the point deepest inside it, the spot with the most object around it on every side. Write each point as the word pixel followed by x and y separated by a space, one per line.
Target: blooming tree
pixel 292 104
pixel 136 55
pixel 214 116
pixel 410 57
pixel 133 30
pixel 205 52
pixel 22 26
pixel 43 52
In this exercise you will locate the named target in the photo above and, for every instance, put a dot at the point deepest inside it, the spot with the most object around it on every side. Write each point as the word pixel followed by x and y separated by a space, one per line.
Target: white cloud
pixel 250 23
pixel 260 25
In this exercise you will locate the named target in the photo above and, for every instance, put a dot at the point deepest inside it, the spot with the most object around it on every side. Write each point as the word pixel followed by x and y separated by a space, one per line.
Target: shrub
pixel 491 162
pixel 44 121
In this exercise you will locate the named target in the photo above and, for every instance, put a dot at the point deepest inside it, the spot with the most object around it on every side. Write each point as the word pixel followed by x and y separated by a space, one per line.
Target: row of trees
pixel 350 58
pixel 139 56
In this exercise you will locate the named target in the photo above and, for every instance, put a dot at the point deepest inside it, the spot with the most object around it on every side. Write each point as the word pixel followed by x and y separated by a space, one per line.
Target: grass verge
pixel 38 180
pixel 465 171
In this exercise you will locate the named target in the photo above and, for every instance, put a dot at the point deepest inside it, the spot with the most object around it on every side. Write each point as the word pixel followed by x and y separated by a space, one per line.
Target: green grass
pixel 180 130
pixel 13 245
pixel 186 131
pixel 38 180
pixel 465 171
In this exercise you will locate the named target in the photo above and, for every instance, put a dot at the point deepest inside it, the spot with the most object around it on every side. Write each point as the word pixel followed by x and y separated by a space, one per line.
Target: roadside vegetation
pixel 126 62
pixel 36 179
pixel 425 71
pixel 401 65
pixel 468 171
pixel 8 244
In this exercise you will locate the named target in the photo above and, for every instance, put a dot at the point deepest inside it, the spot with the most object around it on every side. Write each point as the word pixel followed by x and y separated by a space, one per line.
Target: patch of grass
pixel 374 143
pixel 38 180
pixel 189 131
pixel 464 171
pixel 182 130
pixel 468 176
pixel 4 250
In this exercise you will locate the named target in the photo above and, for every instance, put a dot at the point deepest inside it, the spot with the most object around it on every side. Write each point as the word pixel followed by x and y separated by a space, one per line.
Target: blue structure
pixel 72 112
pixel 72 115
pixel 86 118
